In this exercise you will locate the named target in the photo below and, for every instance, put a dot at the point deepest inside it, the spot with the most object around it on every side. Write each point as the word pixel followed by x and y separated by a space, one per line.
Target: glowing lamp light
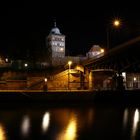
pixel 69 63
pixel 102 50
pixel 61 49
pixel 45 79
pixel 135 79
pixel 26 65
pixel 6 59
pixel 116 23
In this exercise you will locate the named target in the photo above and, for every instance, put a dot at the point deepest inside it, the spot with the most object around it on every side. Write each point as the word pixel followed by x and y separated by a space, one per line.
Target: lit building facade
pixel 55 42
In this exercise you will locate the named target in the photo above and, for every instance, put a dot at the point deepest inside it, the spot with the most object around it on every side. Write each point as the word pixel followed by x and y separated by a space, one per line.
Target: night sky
pixel 25 25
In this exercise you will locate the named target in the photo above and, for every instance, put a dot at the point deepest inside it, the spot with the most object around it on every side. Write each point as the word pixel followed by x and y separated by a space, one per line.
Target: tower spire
pixel 54 23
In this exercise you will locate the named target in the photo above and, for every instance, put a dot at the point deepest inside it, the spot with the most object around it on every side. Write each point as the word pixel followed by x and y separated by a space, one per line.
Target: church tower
pixel 56 46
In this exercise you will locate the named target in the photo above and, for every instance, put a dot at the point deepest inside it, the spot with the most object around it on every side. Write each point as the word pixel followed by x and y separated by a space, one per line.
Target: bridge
pixel 122 58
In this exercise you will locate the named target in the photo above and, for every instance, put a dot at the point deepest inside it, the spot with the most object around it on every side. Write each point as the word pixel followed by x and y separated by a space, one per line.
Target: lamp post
pixel 45 84
pixel 69 63
pixel 116 23
pixel 26 69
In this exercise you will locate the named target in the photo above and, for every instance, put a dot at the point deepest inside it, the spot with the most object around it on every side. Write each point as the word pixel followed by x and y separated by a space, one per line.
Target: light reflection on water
pixel 125 118
pixel 45 122
pixel 2 133
pixel 70 123
pixel 131 118
pixel 70 131
pixel 25 126
pixel 135 123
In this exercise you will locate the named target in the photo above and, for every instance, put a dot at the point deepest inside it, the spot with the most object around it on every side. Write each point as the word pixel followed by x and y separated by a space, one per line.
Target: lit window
pixel 135 79
pixel 61 49
pixel 124 76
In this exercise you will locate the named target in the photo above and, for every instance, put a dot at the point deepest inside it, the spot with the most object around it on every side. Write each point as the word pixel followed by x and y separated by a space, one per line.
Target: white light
pixel 135 79
pixel 135 123
pixel 25 126
pixel 45 79
pixel 6 59
pixel 136 117
pixel 45 121
pixel 124 76
pixel 26 65
pixel 61 49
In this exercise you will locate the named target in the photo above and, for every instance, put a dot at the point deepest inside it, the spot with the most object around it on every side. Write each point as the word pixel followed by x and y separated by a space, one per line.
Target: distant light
pixel 69 62
pixel 116 23
pixel 102 50
pixel 6 59
pixel 61 49
pixel 45 79
pixel 26 65
pixel 124 76
pixel 135 79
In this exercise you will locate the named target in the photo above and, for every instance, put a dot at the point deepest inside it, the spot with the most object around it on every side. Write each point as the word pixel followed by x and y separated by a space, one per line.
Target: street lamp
pixel 25 65
pixel 69 63
pixel 45 80
pixel 45 84
pixel 116 23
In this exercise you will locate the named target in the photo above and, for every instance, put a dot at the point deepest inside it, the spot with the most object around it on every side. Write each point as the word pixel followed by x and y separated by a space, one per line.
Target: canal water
pixel 69 122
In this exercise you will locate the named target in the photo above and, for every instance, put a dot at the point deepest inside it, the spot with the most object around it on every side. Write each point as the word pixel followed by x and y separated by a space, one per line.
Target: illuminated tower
pixel 56 46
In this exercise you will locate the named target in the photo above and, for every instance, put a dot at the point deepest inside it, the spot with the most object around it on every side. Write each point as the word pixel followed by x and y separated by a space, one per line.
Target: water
pixel 75 122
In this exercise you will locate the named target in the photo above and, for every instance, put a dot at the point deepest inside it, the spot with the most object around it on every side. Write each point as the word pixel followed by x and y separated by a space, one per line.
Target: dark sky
pixel 25 25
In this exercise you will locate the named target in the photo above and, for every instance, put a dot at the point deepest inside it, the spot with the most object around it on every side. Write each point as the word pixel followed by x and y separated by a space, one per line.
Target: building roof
pixel 55 30
pixel 95 48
